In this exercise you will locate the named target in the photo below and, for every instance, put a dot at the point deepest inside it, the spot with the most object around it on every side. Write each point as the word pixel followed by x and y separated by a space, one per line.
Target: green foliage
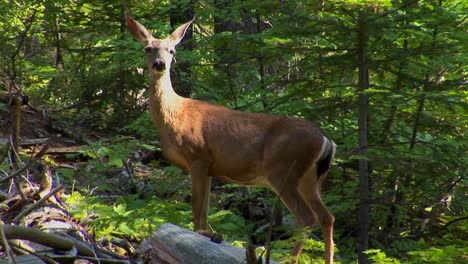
pixel 312 253
pixel 65 174
pixel 229 224
pixel 128 216
pixel 112 153
pixel 440 255
pixel 377 256
pixel 142 127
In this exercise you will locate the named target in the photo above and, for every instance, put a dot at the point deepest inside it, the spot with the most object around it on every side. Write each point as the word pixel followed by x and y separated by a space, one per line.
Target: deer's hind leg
pixel 285 182
pixel 309 188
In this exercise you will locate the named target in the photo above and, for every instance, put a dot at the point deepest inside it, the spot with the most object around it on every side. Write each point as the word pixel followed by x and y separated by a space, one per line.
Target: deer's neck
pixel 165 103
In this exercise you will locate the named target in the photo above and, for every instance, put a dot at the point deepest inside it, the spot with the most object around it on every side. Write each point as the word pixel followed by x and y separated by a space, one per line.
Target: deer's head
pixel 160 52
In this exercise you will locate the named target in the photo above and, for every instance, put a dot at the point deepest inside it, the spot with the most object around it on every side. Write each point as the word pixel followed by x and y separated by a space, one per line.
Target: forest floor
pixel 34 216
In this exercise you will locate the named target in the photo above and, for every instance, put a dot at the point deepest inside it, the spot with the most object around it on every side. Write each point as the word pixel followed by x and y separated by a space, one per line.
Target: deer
pixel 290 155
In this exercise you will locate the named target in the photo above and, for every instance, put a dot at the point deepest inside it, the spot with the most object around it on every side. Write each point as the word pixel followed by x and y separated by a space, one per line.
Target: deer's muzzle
pixel 159 65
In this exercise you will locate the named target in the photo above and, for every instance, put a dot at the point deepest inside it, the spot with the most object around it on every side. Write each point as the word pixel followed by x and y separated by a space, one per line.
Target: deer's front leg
pixel 201 185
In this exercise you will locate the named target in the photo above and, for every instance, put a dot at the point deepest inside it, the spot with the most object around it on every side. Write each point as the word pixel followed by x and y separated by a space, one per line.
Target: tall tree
pixel 182 12
pixel 363 110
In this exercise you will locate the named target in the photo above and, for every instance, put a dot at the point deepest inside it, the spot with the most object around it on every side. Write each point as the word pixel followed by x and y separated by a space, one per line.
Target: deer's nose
pixel 159 65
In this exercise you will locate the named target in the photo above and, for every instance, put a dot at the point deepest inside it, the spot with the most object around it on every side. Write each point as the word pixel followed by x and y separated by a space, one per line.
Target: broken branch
pixel 37 204
pixel 26 166
pixel 46 239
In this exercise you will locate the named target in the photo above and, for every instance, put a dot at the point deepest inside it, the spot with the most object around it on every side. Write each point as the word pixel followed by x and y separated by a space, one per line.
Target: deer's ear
pixel 179 33
pixel 138 30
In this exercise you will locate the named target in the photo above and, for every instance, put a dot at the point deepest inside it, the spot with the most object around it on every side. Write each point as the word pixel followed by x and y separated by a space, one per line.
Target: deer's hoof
pixel 214 237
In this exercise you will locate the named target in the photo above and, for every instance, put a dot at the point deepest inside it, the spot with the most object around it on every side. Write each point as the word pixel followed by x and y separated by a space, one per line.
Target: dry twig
pixel 37 204
pixel 41 152
pixel 84 251
pixel 6 246
pixel 46 239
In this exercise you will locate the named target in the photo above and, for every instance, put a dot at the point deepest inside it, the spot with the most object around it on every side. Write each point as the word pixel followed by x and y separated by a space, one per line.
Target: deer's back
pixel 238 144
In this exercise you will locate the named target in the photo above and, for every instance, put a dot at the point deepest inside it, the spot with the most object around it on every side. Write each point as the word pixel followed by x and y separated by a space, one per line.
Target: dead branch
pixel 41 152
pixel 46 239
pixel 37 204
pixel 7 144
pixel 15 137
pixel 4 195
pixel 453 222
pixel 46 183
pixel 25 258
pixel 5 244
pixel 69 259
pixel 57 242
pixel 33 141
pixel 464 218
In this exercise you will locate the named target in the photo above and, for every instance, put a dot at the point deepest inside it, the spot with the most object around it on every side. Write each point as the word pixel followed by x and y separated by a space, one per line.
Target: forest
pixel 385 79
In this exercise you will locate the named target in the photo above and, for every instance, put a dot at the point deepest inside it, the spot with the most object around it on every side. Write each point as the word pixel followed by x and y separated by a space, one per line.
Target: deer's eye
pixel 147 49
pixel 172 51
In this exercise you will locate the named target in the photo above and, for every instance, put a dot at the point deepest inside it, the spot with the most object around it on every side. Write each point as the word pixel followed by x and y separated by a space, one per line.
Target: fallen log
pixel 33 141
pixel 173 244
pixel 64 150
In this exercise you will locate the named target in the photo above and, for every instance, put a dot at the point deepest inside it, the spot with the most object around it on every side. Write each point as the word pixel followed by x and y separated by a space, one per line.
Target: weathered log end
pixel 172 244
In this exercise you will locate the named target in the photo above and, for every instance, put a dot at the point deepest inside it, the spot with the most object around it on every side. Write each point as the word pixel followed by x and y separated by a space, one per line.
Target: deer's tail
pixel 326 156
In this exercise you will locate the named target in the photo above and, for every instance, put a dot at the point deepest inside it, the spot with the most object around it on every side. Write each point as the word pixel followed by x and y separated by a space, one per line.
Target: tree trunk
pixel 390 230
pixel 401 197
pixel 225 56
pixel 363 109
pixel 181 72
